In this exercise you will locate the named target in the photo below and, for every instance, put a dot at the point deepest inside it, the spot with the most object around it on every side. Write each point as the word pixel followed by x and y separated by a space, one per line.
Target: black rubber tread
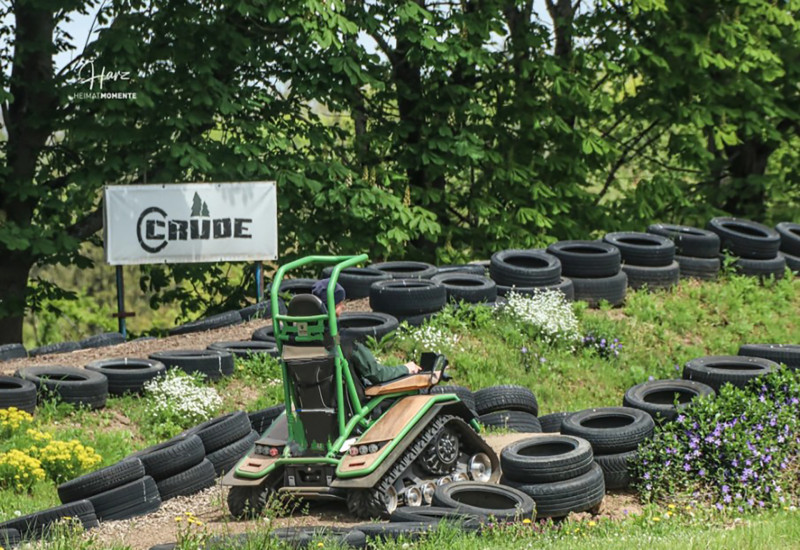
pixel 226 458
pixel 618 469
pixel 746 238
pixel 788 354
pixel 559 498
pixel 706 269
pixel 170 457
pixel 516 421
pixel 462 268
pixel 593 291
pixel 264 334
pixel 135 498
pixel 9 538
pixel 19 393
pixel 551 423
pixel 610 430
pixel 655 278
pixel 303 537
pixel 34 526
pixel 12 351
pixel 689 241
pixel 246 348
pixel 58 347
pixel 507 397
pixel 586 259
pixel 790 237
pixel 772 267
pixel 293 287
pixel 642 249
pixel 565 286
pixel 544 459
pixel 406 270
pixel 524 268
pixel 126 374
pixel 222 431
pixel 359 325
pixel 467 287
pixel 261 310
pixel 405 297
pixel 737 370
pixel 263 419
pixel 432 514
pixel 105 479
pixel 657 397
pixel 409 530
pixel 356 281
pixel 416 320
pixel 792 262
pixel 102 340
pixel 214 364
pixel 188 482
pixel 248 501
pixel 211 322
pixel 464 394
pixel 75 386
pixel 454 495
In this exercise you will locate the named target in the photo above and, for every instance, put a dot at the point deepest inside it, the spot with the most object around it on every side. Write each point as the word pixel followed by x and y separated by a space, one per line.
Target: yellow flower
pixel 592 524
pixel 671 506
pixel 320 545
pixel 178 519
pixel 656 519
pixel 669 513
pixel 526 520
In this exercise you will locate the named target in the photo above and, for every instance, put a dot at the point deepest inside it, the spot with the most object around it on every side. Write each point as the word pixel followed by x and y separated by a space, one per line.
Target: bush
pixel 11 420
pixel 19 471
pixel 178 401
pixel 545 315
pixel 65 460
pixel 738 450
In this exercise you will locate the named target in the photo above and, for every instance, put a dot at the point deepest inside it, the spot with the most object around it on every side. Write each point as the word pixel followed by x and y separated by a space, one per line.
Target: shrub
pixel 65 460
pixel 604 347
pixel 739 450
pixel 428 337
pixel 178 401
pixel 12 419
pixel 547 315
pixel 19 471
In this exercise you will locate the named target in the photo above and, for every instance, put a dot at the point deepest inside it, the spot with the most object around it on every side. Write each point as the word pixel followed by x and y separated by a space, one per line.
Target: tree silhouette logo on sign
pixel 155 229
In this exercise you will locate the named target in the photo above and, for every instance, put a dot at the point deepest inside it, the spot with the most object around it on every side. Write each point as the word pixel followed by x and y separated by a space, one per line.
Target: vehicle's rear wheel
pixel 247 502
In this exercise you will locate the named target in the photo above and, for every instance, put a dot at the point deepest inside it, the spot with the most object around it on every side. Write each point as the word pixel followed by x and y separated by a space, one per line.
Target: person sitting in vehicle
pixel 357 353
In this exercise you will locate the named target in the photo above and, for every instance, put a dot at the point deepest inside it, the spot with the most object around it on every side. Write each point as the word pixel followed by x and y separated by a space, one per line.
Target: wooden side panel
pixel 407 383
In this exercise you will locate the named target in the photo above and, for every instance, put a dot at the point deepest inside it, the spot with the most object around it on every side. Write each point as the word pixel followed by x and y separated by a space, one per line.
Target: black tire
pixel 586 259
pixel 263 419
pixel 717 370
pixel 559 498
pixel 566 287
pixel 406 297
pixel 293 287
pixel 9 538
pixel 516 421
pixel 226 458
pixel 357 281
pixel 464 394
pixel 19 393
pixel 211 322
pixel 264 334
pixel 642 249
pixel 483 499
pixel 745 238
pixel 101 480
pixel 102 340
pixel 792 262
pixel 409 531
pixel 188 482
pixel 524 268
pixel 462 268
pixel 58 347
pixel 34 526
pixel 12 351
pixel 551 423
pixel 247 348
pixel 773 267
pixel 689 241
pixel 618 469
pixel 406 270
pixel 610 430
pixel 655 278
pixel 135 498
pixel 222 431
pixel 171 457
pixel 467 287
pixel 594 291
pixel 657 397
pixel 705 269
pixel 545 459
pixel 127 375
pixel 300 537
pixel 75 386
pixel 261 310
pixel 359 325
pixel 431 514
pixel 506 398
pixel 788 354
pixel 790 237
pixel 416 320
pixel 213 364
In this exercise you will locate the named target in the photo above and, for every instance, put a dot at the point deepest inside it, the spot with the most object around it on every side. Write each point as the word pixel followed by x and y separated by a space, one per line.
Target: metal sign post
pixel 121 314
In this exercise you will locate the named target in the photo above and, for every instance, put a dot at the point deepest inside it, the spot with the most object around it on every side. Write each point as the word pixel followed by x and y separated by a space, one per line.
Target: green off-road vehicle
pixel 375 447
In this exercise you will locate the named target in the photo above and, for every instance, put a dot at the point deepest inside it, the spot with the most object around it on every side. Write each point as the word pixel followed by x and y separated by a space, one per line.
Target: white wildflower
pixel 430 338
pixel 548 311
pixel 181 395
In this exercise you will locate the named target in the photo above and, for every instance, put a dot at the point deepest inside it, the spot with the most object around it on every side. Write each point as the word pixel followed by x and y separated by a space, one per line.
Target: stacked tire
pixel 647 259
pixel 412 300
pixel 615 434
pixel 357 281
pixel 718 370
pixel 178 466
pixel 787 354
pixel 508 407
pixel 594 267
pixel 754 246
pixel 79 387
pixel 213 364
pixel 528 272
pixel 127 374
pixel 665 399
pixel 696 250
pixel 18 393
pixel 226 440
pixel 790 244
pixel 39 524
pixel 467 287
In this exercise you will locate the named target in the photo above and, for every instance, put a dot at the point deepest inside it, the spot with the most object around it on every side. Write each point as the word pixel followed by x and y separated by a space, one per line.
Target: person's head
pixel 320 290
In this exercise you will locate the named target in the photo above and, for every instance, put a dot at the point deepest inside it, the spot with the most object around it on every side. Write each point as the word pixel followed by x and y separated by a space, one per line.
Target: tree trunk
pixel 13 291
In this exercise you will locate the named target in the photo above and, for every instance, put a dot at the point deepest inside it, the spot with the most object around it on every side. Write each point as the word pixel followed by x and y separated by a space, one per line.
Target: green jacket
pixel 369 369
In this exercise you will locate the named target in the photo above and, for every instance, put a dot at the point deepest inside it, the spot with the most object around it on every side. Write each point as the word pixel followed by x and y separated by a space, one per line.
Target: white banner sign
pixel 190 222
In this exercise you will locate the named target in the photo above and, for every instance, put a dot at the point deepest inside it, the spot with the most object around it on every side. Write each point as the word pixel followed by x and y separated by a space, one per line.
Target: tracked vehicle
pixel 372 446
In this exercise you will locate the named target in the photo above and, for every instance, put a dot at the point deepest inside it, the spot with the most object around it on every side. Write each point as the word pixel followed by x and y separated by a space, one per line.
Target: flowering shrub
pixel 428 338
pixel 19 471
pixel 65 460
pixel 547 313
pixel 739 450
pixel 177 401
pixel 11 420
pixel 604 347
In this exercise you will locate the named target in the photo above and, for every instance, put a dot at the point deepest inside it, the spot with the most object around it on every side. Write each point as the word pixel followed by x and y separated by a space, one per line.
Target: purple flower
pixel 646 475
pixel 524 349
pixel 719 506
pixel 680 418
pixel 727 499
pixel 726 489
pixel 686 467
